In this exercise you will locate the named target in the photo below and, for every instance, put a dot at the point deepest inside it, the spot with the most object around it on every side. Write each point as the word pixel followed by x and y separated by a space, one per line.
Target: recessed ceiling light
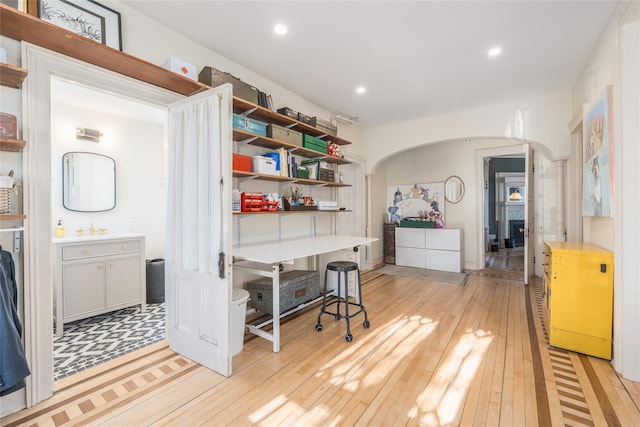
pixel 280 29
pixel 361 89
pixel 495 51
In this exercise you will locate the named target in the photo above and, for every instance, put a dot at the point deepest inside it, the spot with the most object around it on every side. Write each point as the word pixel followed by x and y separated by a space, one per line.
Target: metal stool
pixel 343 268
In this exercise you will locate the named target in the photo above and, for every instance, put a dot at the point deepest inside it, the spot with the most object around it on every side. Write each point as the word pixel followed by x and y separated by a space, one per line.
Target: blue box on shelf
pixel 249 125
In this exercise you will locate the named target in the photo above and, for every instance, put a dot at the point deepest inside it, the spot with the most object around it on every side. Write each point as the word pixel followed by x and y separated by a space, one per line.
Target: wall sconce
pixel 515 195
pixel 92 135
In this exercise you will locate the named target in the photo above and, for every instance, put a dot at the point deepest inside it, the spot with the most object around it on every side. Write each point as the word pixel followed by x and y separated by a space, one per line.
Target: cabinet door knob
pixel 100 267
pixel 124 247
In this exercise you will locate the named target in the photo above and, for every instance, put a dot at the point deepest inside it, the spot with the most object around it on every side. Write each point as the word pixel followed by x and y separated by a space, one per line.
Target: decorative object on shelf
pixel 453 189
pixel 8 125
pixel 84 17
pixel 7 186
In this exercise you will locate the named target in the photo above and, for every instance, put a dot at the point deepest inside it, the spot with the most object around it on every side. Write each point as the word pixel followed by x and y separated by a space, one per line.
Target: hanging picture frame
pixel 598 155
pixel 84 17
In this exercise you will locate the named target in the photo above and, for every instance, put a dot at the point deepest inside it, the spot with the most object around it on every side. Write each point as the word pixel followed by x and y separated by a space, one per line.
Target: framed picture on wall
pixel 597 156
pixel 84 17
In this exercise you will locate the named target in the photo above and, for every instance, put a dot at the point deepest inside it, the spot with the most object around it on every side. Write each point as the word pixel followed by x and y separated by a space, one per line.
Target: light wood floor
pixel 436 354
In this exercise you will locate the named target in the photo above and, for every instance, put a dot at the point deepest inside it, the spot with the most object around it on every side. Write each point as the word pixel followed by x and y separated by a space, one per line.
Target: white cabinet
pixel 95 275
pixel 432 248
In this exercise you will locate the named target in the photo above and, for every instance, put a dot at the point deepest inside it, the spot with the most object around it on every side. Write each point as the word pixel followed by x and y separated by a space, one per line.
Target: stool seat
pixel 343 268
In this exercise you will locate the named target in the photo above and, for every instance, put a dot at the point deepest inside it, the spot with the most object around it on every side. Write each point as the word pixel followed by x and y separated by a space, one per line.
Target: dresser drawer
pixel 70 252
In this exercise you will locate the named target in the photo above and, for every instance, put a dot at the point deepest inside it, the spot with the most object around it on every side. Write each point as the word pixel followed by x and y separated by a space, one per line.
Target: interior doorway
pixel 506 219
pixel 130 130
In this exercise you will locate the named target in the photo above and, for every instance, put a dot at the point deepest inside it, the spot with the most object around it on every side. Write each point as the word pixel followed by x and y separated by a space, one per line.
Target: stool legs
pixel 343 276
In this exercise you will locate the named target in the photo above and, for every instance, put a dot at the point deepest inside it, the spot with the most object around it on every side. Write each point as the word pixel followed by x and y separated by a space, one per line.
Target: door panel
pixel 198 256
pixel 529 225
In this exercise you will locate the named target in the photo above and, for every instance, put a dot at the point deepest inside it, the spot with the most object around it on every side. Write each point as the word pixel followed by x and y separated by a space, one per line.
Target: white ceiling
pixel 416 59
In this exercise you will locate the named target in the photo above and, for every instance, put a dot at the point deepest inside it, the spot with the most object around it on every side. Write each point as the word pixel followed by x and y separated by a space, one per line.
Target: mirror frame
pixel 449 197
pixel 65 184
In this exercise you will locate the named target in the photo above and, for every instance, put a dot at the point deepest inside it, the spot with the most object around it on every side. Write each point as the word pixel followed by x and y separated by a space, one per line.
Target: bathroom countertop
pixel 80 239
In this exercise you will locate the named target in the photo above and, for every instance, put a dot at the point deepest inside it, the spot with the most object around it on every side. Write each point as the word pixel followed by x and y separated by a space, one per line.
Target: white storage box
pixel 179 66
pixel 264 165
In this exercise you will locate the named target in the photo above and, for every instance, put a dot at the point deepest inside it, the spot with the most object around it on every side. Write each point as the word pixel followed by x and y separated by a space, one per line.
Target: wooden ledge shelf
pixel 10 144
pixel 308 211
pixel 303 181
pixel 240 106
pixel 21 26
pixel 242 136
pixel 7 217
pixel 12 76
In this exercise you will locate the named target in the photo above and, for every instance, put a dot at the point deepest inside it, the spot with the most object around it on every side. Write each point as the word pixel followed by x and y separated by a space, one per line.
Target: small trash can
pixel 238 319
pixel 155 281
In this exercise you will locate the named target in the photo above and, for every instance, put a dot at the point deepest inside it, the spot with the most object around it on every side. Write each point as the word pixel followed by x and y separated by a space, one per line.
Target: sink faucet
pixel 92 230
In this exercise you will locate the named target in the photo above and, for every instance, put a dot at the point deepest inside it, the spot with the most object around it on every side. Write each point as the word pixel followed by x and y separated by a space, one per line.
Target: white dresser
pixel 432 248
pixel 97 274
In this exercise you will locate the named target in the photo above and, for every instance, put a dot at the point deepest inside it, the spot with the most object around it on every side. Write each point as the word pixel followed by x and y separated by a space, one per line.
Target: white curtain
pixel 194 218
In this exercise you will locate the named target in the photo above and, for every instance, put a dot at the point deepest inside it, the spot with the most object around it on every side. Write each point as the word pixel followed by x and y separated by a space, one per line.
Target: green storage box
pixel 303 173
pixel 417 224
pixel 313 143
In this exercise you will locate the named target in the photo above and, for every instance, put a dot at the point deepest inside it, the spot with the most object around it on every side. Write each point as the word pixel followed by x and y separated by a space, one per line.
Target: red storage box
pixel 241 163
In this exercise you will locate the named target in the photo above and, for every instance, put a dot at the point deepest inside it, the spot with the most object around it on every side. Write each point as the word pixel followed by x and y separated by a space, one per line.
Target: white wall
pixel 543 120
pixel 138 150
pixel 615 57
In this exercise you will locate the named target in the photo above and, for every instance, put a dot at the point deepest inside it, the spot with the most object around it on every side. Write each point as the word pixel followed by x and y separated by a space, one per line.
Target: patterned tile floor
pixel 89 342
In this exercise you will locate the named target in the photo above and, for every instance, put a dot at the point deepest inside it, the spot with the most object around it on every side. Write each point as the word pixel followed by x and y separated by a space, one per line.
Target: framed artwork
pixel 416 201
pixel 597 167
pixel 84 17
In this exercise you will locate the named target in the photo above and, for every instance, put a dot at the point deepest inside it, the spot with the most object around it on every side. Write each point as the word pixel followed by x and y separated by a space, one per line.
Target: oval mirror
pixel 88 182
pixel 453 189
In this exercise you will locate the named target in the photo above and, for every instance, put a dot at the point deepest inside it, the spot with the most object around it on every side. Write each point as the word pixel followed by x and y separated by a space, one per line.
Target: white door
pixel 529 227
pixel 198 259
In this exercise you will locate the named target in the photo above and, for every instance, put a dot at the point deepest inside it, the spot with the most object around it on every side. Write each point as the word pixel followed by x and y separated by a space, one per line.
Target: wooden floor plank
pixel 436 354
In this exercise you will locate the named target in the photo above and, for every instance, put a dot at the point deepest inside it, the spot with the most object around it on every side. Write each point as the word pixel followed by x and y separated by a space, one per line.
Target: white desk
pixel 277 252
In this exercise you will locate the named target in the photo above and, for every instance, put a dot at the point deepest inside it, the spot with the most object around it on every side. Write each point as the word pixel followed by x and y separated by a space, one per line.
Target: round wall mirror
pixel 453 189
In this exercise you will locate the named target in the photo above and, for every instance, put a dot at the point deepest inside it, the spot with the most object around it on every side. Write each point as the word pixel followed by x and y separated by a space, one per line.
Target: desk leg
pixel 275 271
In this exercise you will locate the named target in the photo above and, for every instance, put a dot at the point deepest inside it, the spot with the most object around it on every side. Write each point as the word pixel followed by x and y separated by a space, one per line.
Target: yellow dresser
pixel 578 297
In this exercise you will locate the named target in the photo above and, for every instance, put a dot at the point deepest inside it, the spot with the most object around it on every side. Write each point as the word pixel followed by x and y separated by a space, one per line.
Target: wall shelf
pixel 21 26
pixel 266 177
pixel 12 76
pixel 240 106
pixel 241 136
pixel 10 144
pixel 7 217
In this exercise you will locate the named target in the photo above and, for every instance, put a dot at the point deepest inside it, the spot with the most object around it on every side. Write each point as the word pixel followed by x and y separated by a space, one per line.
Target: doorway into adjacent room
pixel 132 133
pixel 506 195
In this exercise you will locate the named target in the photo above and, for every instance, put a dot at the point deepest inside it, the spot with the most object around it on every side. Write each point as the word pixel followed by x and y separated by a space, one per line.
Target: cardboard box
pixel 181 67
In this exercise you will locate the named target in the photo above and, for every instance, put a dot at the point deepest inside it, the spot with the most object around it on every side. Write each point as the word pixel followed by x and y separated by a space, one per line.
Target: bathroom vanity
pixel 97 274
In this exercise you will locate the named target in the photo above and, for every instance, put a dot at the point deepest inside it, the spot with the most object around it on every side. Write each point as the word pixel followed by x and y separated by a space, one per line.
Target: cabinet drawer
pixel 100 249
pixel 410 237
